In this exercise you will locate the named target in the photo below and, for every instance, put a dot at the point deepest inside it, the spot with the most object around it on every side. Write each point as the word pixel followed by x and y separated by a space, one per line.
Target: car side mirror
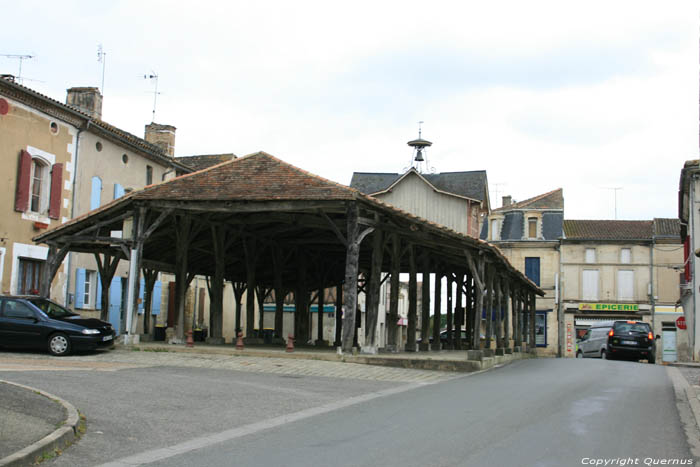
pixel 657 337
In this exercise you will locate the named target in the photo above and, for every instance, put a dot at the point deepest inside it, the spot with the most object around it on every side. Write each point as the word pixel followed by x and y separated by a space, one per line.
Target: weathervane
pixel 419 159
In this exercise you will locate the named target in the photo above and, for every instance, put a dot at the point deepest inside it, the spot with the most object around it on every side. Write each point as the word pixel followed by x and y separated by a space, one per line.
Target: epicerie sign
pixel 622 461
pixel 608 307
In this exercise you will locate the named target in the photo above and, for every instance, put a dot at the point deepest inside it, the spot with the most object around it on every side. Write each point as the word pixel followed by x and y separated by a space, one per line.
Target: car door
pixel 20 324
pixel 584 343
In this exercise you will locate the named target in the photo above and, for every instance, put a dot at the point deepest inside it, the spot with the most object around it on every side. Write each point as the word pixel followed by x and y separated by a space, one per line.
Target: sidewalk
pixel 33 423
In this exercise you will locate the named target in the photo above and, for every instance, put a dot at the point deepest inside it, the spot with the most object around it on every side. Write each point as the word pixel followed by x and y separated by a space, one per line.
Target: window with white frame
pixel 590 284
pixel 495 234
pixel 625 285
pixel 39 189
pixel 89 290
pixel 531 227
pixel 626 255
pixel 590 255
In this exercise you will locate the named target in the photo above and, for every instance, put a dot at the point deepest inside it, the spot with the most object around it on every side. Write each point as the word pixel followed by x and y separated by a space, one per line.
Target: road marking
pixel 228 435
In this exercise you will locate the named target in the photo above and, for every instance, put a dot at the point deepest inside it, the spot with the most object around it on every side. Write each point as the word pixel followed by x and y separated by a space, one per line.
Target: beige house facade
pixel 622 270
pixel 528 233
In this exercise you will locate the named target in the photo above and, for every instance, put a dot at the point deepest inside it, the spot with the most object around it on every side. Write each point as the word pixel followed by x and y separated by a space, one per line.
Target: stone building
pixel 612 269
pixel 70 163
pixel 528 234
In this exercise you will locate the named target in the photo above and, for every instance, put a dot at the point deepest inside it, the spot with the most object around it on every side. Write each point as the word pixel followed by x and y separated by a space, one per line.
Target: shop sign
pixel 607 307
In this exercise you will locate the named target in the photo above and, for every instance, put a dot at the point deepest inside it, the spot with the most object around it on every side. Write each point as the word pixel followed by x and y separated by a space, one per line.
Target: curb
pixel 687 394
pixel 59 439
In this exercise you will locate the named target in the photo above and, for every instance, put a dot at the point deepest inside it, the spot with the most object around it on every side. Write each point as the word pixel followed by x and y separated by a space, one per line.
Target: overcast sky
pixel 586 96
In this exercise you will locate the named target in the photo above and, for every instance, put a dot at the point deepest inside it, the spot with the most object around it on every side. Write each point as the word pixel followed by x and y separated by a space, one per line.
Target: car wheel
pixel 59 344
pixel 603 355
pixel 579 354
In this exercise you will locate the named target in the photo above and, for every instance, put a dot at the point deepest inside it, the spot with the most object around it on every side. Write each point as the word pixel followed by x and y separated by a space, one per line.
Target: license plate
pixel 107 338
pixel 629 342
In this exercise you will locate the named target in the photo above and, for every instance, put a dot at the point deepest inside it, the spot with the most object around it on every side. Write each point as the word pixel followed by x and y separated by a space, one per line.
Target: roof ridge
pixel 524 202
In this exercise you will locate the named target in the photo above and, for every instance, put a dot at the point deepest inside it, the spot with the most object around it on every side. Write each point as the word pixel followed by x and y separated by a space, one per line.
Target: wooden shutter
pixel 23 179
pixel 56 191
pixel 157 291
pixel 118 191
pixel 95 193
pixel 79 288
pixel 115 303
pixel 98 294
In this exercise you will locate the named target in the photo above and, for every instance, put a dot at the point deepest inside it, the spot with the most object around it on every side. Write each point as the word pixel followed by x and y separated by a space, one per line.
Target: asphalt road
pixel 544 412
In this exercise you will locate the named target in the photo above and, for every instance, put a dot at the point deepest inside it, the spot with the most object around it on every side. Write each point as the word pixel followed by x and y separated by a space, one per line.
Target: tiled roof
pixel 471 184
pixel 667 227
pixel 550 200
pixel 259 177
pixel 200 162
pixel 607 230
pixel 32 98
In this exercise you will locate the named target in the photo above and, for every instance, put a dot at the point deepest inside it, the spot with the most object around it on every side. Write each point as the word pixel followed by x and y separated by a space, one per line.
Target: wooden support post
pixel 533 330
pixel 183 237
pixel 216 297
pixel 107 269
pixel 392 317
pixel 54 259
pixel 150 276
pixel 351 270
pixel 338 316
pixel 134 283
pixel 277 266
pixel 450 333
pixel 261 292
pixel 239 289
pixel 372 302
pixel 509 311
pixel 249 247
pixel 412 301
pixel 459 311
pixel 499 312
pixel 469 309
pixel 517 322
pixel 425 304
pixel 319 319
pixel 437 305
pixel 488 331
pixel 301 304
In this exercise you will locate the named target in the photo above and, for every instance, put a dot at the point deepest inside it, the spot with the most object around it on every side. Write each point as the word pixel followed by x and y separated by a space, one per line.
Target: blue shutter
pixel 118 191
pixel 115 303
pixel 142 290
pixel 532 270
pixel 98 295
pixel 79 288
pixel 155 308
pixel 96 193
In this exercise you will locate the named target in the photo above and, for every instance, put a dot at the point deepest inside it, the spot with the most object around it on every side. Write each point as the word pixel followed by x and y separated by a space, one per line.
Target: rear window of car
pixel 632 327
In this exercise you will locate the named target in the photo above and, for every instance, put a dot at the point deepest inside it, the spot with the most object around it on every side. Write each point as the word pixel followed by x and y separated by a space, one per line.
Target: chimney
pixel 87 100
pixel 506 201
pixel 162 136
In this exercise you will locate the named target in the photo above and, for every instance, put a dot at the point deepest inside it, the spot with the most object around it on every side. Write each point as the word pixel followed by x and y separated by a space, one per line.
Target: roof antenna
pixel 20 58
pixel 102 58
pixel 153 76
pixel 615 189
pixel 419 145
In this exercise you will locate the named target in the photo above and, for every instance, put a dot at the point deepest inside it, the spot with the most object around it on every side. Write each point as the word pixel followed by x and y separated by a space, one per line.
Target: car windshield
pixel 52 309
pixel 632 327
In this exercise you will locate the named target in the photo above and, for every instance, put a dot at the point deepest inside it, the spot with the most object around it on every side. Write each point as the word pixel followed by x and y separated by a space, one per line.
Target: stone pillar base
pixel 516 349
pixel 146 337
pixel 488 352
pixel 369 350
pixel 390 348
pixel 509 350
pixel 215 341
pixel 423 346
pixel 410 348
pixel 436 346
pixel 475 355
pixel 500 351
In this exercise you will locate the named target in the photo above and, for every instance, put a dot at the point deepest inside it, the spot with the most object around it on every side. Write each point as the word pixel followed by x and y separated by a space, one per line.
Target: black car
pixel 38 323
pixel 632 339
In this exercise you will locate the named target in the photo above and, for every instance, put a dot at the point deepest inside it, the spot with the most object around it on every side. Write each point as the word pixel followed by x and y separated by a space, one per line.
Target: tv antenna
pixel 153 76
pixel 615 189
pixel 20 58
pixel 102 58
pixel 497 190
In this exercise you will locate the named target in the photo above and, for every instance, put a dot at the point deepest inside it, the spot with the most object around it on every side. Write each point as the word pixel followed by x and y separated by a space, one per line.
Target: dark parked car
pixel 38 323
pixel 618 339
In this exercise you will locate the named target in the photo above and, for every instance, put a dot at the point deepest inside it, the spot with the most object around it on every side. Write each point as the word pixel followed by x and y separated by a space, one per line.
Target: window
pixel 590 255
pixel 590 284
pixel 30 271
pixel 626 255
pixel 541 329
pixel 15 309
pixel 88 290
pixel 39 186
pixel 532 269
pixel 494 230
pixel 625 285
pixel 149 175
pixel 532 227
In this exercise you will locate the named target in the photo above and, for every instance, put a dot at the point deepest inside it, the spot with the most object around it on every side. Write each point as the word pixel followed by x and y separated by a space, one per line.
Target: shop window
pixel 541 329
pixel 30 272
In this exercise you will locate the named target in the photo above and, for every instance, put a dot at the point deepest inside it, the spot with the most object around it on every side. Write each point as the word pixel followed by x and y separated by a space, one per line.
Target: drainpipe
pixel 693 233
pixel 72 210
pixel 560 307
pixel 652 300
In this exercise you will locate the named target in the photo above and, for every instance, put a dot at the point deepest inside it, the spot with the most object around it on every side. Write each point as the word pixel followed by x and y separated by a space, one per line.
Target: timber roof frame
pixel 262 201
